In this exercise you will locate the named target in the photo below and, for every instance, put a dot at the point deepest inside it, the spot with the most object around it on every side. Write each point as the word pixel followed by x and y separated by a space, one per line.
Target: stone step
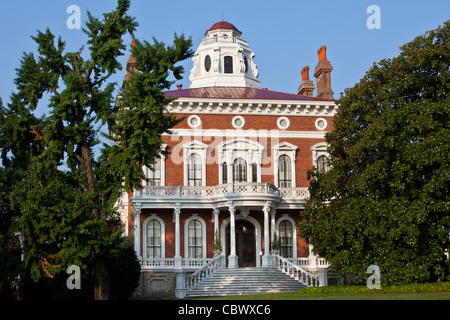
pixel 240 281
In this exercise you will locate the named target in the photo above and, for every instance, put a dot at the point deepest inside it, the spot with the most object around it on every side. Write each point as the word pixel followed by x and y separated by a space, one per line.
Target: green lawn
pixel 352 296
pixel 428 291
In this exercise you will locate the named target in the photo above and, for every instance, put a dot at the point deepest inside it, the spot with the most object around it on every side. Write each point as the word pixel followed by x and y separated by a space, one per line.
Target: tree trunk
pixel 100 275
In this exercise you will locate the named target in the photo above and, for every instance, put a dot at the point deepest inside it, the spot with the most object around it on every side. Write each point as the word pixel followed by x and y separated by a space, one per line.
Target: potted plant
pixel 216 245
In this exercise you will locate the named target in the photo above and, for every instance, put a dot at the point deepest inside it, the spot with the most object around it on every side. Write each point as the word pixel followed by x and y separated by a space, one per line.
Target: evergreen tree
pixel 385 199
pixel 64 193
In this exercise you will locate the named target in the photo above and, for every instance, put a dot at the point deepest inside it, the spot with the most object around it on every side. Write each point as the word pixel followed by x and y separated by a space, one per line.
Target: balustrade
pixel 204 272
pixel 220 190
pixel 298 273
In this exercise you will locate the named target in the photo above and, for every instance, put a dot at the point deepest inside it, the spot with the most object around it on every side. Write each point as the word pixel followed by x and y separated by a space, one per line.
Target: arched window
pixel 228 64
pixel 194 168
pixel 286 236
pixel 153 239
pixel 322 164
pixel 284 172
pixel 195 239
pixel 239 170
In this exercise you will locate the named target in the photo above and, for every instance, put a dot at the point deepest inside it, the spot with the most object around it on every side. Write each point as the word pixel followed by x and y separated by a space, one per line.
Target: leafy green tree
pixel 64 190
pixel 385 200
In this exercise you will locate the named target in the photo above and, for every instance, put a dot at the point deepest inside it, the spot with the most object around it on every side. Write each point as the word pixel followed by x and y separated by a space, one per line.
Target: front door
pixel 245 243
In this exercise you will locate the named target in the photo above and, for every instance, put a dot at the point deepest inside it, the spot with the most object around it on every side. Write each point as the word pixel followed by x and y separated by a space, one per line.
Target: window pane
pixel 228 64
pixel 153 239
pixel 194 168
pixel 153 174
pixel 286 236
pixel 254 172
pixel 284 172
pixel 195 239
pixel 224 172
pixel 322 164
pixel 240 170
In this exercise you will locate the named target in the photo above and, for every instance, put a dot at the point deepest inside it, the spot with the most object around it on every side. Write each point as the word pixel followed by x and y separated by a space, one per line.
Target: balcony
pixel 212 195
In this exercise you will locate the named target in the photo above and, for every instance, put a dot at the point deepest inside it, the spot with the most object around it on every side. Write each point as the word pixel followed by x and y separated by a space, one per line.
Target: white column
pixel 177 257
pixel 272 223
pixel 232 258
pixel 137 230
pixel 266 257
pixel 216 221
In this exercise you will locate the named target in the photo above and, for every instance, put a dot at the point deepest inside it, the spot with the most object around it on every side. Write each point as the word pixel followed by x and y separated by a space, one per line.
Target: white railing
pixel 298 273
pixel 204 272
pixel 169 263
pixel 219 39
pixel 220 190
pixel 311 262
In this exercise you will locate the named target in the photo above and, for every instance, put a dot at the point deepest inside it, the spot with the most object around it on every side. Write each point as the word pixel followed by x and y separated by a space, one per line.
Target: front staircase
pixel 243 281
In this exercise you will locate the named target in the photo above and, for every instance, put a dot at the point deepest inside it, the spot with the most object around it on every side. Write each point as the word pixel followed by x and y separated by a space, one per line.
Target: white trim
pixel 288 149
pixel 319 149
pixel 254 106
pixel 317 124
pixel 231 133
pixel 154 216
pixel 190 148
pixel 194 126
pixel 237 126
pixel 288 123
pixel 194 216
pixel 247 149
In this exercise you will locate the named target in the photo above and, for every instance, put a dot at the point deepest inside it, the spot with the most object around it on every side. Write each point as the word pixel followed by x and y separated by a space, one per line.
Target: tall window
pixel 228 64
pixel 254 172
pixel 286 236
pixel 153 239
pixel 322 164
pixel 195 239
pixel 239 170
pixel 153 174
pixel 284 172
pixel 224 172
pixel 194 169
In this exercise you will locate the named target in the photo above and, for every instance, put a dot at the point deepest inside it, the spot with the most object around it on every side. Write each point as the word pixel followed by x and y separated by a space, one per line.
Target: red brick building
pixel 236 168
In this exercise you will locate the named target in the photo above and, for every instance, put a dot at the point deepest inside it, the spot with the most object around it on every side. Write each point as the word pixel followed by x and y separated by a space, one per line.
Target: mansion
pixel 234 176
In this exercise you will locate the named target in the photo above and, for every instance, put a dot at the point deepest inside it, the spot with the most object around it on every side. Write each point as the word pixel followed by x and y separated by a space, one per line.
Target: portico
pixel 255 203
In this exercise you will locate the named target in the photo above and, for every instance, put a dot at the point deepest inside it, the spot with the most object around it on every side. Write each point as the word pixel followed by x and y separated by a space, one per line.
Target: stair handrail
pixel 296 272
pixel 204 272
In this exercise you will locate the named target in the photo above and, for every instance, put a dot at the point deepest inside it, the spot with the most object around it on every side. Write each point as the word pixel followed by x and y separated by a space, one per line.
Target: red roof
pixel 223 25
pixel 238 93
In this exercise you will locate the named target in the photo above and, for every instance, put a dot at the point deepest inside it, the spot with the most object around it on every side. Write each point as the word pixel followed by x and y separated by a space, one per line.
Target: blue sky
pixel 285 35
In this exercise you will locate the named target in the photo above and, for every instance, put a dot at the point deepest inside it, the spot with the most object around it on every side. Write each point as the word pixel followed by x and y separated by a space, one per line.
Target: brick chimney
pixel 307 87
pixel 130 63
pixel 322 73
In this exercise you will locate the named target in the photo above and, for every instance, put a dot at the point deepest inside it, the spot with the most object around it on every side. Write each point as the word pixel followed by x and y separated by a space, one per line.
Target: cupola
pixel 224 59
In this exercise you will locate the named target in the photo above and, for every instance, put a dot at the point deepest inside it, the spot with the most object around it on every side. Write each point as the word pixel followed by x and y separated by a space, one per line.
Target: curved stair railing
pixel 296 272
pixel 204 272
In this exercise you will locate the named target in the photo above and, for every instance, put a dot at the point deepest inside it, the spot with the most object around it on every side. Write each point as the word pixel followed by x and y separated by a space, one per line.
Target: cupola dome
pixel 224 59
